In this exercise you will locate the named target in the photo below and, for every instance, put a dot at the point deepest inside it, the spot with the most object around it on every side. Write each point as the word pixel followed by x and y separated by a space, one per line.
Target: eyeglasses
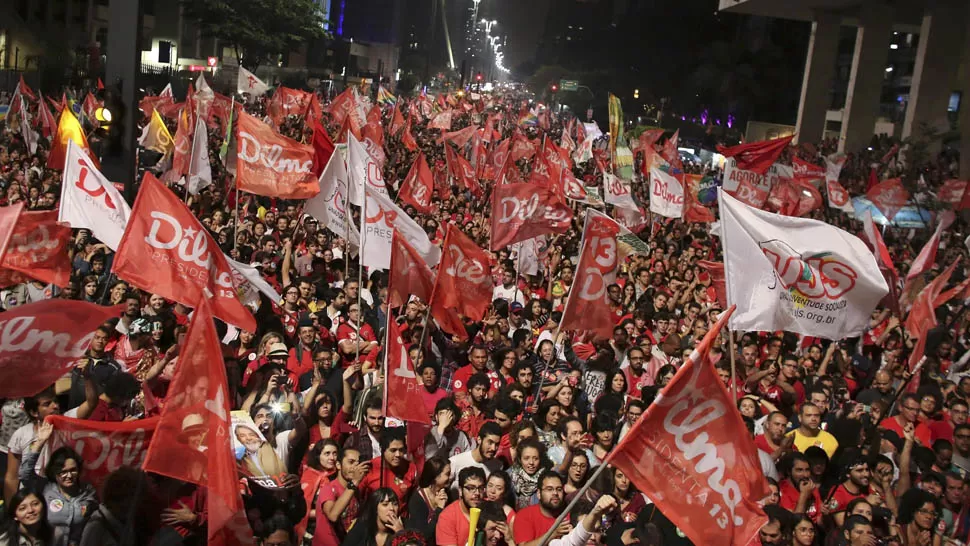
pixel 69 472
pixel 924 511
pixel 552 489
pixel 474 488
pixel 911 408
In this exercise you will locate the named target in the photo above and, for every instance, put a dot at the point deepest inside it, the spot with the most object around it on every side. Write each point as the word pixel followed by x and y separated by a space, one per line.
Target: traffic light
pixel 554 88
pixel 636 93
pixel 479 77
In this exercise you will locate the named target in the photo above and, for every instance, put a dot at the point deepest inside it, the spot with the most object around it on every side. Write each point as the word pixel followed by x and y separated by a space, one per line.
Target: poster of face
pixel 256 457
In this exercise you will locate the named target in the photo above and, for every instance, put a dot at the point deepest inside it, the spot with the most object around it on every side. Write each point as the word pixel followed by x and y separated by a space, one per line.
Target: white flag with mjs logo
pixel 796 274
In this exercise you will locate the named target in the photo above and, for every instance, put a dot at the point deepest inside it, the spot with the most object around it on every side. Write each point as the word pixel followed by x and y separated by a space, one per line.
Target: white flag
pixel 796 274
pixel 167 92
pixel 330 205
pixel 200 173
pixel 666 194
pixel 383 219
pixel 30 137
pixel 618 192
pixel 838 197
pixel 247 82
pixel 248 281
pixel 202 86
pixel 88 200
pixel 363 170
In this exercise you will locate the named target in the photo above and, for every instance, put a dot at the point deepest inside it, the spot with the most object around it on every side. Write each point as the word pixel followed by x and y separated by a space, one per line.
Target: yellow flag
pixel 155 135
pixel 68 128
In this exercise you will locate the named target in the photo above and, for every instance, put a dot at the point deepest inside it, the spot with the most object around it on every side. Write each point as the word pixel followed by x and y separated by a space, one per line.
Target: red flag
pixel 375 133
pixel 954 192
pixel 167 251
pixel 192 441
pixel 524 211
pixel 409 275
pixel 40 342
pixel 25 89
pixel 694 211
pixel 441 121
pixel 873 179
pixel 496 160
pixel 670 153
pixel 397 121
pixel 100 84
pixel 927 255
pixel 794 197
pixel 804 169
pixel 38 250
pixel 290 102
pixel 349 126
pixel 58 106
pixel 345 105
pixel 522 147
pixel 407 139
pixel 650 137
pixel 588 306
pixel 418 186
pixel 374 115
pixel 889 196
pixel 9 216
pixel 889 155
pixel 716 272
pixel 460 137
pixel 270 164
pixel 757 156
pixel 105 446
pixel 922 317
pixel 90 108
pixel 45 119
pixel 559 166
pixel 464 281
pixel 694 432
pixel 182 153
pixel 402 396
pixel 323 148
pixel 462 171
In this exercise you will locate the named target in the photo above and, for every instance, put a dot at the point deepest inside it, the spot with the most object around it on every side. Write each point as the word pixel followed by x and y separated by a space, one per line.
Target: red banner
pixel 397 121
pixel 693 432
pixel 588 306
pixel 403 388
pixel 889 196
pixel 41 341
pixel 524 211
pixel 464 282
pixel 804 169
pixel 409 275
pixel 716 272
pixel 271 164
pixel 290 102
pixel 167 251
pixel 323 148
pixel 955 193
pixel 757 156
pixel 37 250
pixel 522 147
pixel 462 171
pixel 105 446
pixel 418 186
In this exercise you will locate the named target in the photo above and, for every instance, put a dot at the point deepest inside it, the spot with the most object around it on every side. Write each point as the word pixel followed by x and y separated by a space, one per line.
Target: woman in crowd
pixel 432 497
pixel 26 521
pixel 379 520
pixel 529 463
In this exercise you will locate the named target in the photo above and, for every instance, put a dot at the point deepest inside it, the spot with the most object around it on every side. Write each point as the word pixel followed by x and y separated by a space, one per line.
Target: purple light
pixel 340 20
pixel 683 118
pixel 730 120
pixel 704 117
pixel 717 121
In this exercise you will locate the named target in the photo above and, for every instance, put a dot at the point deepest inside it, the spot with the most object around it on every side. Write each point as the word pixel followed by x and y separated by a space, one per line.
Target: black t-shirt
pixel 669 534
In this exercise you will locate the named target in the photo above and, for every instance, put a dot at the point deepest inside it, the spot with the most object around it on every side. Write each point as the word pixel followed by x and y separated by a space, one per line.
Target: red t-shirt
pixel 762 444
pixel 922 433
pixel 789 500
pixel 452 526
pixel 401 485
pixel 347 332
pixel 841 497
pixel 459 383
pixel 339 430
pixel 530 524
pixel 326 533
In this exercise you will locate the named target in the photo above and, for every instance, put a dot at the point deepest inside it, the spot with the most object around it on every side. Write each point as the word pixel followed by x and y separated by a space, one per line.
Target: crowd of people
pixel 523 414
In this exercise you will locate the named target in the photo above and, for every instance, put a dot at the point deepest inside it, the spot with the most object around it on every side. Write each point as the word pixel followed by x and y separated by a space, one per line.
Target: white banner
pixel 733 176
pixel 88 200
pixel 363 170
pixel 383 218
pixel 796 274
pixel 200 173
pixel 329 206
pixel 666 194
pixel 618 192
pixel 838 197
pixel 248 281
pixel 247 82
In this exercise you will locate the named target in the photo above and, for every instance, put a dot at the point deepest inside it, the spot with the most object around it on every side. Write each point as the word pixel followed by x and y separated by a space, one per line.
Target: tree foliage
pixel 258 29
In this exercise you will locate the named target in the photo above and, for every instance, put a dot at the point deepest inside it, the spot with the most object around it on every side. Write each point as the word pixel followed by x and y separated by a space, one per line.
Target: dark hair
pixel 520 335
pixel 489 428
pixel 507 405
pixel 498 357
pixel 431 470
pixel 509 497
pixel 563 428
pixel 11 528
pixel 313 458
pixel 32 404
pixel 604 421
pixel 278 522
pixel 447 403
pixel 391 434
pixel 368 512
pixel 543 411
pixel 56 463
pixel 609 382
pixel 121 386
pixel 911 501
pixel 518 427
pixel 549 474
pixel 491 511
pixel 470 472
pixel 855 502
pixel 318 399
pixel 854 521
pixel 534 444
pixel 479 379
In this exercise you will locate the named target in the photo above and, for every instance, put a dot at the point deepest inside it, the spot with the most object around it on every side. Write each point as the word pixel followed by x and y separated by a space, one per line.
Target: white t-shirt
pixel 465 460
pixel 502 293
pixel 283 447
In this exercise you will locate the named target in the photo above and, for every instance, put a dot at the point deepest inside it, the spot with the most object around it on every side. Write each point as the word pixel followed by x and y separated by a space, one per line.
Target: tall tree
pixel 258 29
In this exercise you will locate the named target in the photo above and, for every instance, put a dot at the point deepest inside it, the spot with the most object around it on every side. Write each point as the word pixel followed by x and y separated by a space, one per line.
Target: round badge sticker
pixel 56 505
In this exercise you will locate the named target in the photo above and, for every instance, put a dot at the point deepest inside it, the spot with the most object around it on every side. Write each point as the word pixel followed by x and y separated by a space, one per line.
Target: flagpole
pixel 235 235
pixel 734 372
pixel 360 271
